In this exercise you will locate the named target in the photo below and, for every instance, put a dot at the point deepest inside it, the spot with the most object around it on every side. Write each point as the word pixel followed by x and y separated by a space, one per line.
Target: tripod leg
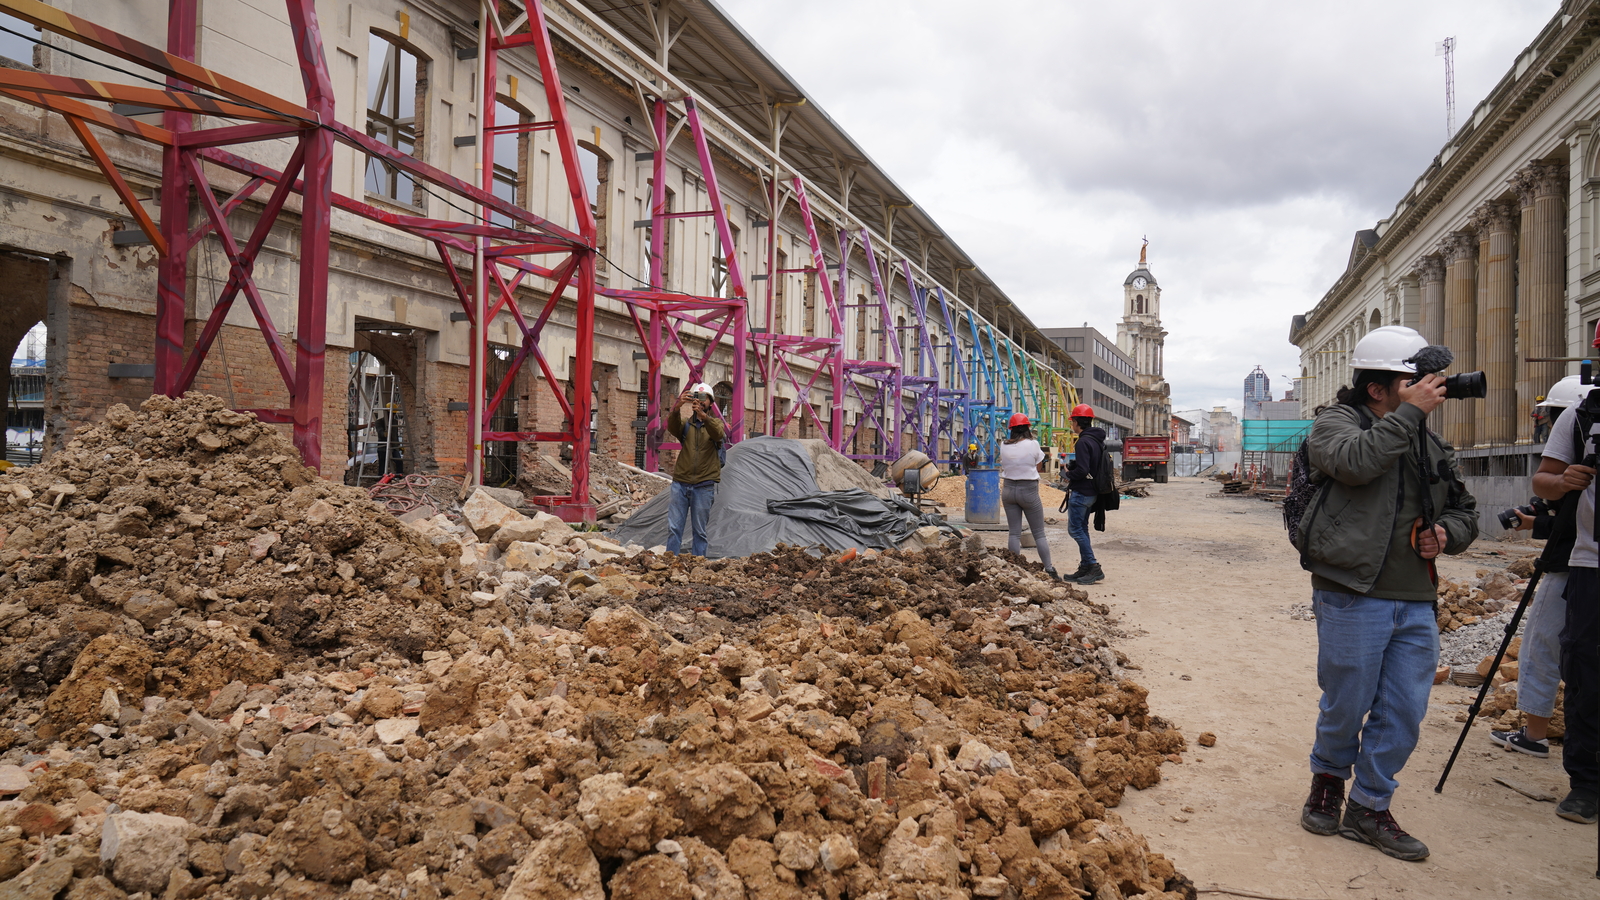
pixel 1488 681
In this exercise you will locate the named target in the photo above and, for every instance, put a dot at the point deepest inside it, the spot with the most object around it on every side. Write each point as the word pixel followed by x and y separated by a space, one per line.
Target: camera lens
pixel 1467 385
pixel 1508 519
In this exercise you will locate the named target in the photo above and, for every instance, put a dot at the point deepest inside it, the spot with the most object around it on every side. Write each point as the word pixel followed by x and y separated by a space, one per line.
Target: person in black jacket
pixel 1088 457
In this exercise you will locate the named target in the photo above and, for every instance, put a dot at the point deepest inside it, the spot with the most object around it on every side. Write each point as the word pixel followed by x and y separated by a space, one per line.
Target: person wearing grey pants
pixel 1020 457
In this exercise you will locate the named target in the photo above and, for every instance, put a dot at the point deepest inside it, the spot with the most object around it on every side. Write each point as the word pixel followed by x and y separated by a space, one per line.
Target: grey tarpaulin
pixel 769 496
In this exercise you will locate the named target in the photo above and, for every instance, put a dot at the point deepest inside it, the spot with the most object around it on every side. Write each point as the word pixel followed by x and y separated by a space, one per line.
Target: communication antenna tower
pixel 1447 49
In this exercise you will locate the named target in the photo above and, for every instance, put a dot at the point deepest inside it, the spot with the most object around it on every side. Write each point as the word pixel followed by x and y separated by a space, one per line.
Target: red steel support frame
pixel 193 89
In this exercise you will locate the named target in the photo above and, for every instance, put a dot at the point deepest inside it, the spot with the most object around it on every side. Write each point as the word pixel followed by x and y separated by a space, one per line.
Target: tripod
pixel 1488 682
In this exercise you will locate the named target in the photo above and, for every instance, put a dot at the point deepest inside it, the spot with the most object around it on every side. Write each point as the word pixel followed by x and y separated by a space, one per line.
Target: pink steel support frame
pixel 666 312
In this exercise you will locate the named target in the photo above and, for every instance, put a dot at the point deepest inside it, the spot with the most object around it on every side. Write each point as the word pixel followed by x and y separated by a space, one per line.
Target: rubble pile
pixel 1462 603
pixel 621 724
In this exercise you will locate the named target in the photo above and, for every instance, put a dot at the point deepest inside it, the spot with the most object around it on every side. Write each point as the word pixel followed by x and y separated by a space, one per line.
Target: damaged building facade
pixel 396 381
pixel 1493 253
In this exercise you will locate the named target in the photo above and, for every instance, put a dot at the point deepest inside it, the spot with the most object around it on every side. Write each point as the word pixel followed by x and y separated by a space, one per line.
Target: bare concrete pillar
pixel 1497 297
pixel 1460 252
pixel 1541 276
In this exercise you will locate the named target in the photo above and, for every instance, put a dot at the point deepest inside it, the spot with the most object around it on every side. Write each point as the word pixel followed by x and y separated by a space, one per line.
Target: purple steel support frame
pixel 886 376
pixel 660 331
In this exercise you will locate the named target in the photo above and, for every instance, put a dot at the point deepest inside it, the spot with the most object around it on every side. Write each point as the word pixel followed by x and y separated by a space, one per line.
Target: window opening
pixel 375 423
pixel 395 93
pixel 14 48
pixel 25 399
pixel 500 461
pixel 597 181
pixel 510 161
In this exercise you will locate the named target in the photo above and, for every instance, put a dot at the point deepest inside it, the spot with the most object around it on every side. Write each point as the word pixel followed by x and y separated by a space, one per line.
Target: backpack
pixel 1105 485
pixel 1302 490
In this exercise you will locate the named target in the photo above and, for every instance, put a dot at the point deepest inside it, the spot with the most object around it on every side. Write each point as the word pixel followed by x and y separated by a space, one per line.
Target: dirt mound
pixel 194 531
pixel 1463 603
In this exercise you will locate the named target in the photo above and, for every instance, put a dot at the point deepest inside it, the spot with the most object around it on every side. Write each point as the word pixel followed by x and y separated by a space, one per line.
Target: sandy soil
pixel 1203 583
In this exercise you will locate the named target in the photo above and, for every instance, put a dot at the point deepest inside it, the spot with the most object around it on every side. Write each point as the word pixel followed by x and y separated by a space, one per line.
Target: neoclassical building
pixel 1492 252
pixel 1141 337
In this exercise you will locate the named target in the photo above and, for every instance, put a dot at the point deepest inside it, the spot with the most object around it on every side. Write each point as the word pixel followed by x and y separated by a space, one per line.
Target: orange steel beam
pixel 154 98
pixel 104 39
pixel 118 184
pixel 69 107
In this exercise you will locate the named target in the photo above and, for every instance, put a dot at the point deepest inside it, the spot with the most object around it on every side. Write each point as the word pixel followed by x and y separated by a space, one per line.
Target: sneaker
pixel 1581 805
pixel 1051 571
pixel 1092 575
pixel 1378 828
pixel 1518 740
pixel 1321 812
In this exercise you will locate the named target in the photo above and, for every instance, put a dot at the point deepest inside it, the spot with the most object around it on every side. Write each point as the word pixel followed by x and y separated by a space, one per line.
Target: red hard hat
pixel 1019 419
pixel 1083 409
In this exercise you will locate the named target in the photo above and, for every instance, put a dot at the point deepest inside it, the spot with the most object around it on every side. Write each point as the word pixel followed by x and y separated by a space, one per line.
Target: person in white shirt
pixel 1020 457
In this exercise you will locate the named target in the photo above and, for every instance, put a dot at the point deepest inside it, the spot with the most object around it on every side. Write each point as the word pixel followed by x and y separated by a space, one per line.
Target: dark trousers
pixel 1580 668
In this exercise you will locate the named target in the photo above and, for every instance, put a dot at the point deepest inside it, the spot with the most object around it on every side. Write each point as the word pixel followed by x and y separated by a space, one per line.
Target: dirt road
pixel 1203 584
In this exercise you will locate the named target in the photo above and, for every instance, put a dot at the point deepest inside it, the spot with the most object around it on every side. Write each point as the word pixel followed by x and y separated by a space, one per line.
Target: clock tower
pixel 1139 334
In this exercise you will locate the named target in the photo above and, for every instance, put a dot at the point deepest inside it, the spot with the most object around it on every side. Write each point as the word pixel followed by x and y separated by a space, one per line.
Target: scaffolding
pixel 505 261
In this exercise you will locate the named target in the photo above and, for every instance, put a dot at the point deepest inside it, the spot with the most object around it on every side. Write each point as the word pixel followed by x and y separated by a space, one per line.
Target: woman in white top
pixel 1020 456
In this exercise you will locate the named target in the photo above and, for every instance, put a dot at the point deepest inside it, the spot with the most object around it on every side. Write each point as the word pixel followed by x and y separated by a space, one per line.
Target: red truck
pixel 1146 457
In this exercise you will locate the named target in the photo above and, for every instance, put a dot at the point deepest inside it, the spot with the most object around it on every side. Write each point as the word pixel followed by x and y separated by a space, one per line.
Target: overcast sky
pixel 1248 140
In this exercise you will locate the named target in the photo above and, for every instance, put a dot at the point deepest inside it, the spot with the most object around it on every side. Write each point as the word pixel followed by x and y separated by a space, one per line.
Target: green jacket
pixel 1345 533
pixel 697 461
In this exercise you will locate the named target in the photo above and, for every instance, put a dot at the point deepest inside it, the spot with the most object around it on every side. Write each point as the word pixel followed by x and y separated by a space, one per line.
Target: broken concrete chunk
pixel 140 851
pixel 486 515
pixel 837 852
pixel 796 850
pixel 560 865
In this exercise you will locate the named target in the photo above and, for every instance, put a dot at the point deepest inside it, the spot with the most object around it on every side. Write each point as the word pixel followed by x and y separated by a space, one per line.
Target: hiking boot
pixel 1321 812
pixel 1082 568
pixel 1378 828
pixel 1091 575
pixel 1519 741
pixel 1582 805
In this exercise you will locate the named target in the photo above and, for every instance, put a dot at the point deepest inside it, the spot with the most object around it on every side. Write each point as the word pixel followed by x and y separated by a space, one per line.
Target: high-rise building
pixel 1257 390
pixel 1107 379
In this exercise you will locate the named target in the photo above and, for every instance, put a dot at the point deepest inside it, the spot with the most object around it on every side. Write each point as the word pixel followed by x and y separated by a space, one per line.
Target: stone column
pixel 1541 276
pixel 1460 252
pixel 1430 277
pixel 1497 296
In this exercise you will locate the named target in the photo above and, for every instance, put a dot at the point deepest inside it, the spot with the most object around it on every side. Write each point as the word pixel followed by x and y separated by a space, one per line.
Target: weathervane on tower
pixel 1143 248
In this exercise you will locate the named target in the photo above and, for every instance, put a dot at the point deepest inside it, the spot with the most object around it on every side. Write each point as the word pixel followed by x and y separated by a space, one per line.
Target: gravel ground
pixel 1467 645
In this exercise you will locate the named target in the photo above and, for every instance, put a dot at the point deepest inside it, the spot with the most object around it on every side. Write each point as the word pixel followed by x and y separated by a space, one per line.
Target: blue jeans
pixel 692 502
pixel 1078 526
pixel 1375 665
pixel 1539 661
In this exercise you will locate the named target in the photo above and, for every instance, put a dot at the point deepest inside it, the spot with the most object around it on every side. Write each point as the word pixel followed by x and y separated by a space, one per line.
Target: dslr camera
pixel 1535 508
pixel 1464 386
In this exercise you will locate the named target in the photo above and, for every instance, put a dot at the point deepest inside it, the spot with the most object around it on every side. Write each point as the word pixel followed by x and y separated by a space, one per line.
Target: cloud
pixel 1248 140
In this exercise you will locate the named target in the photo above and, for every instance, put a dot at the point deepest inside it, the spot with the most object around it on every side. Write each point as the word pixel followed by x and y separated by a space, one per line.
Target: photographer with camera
pixel 1568 468
pixel 698 469
pixel 1388 500
pixel 1539 660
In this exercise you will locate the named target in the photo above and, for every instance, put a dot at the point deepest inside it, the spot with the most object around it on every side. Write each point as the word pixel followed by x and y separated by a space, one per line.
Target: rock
pixel 525 556
pixel 485 515
pixel 1441 675
pixel 822 731
pixel 13 779
pixel 40 820
pixel 709 872
pixel 319 512
pixel 393 731
pixel 227 699
pixel 837 852
pixel 907 857
pixel 148 609
pixel 324 843
pixel 796 850
pixel 619 817
pixel 13 859
pixel 297 750
pixel 262 544
pixel 1206 739
pixel 559 867
pixel 501 847
pixel 140 851
pixel 718 803
pixel 601 545
pixel 989 886
pixel 491 814
pixel 621 627
pixel 653 877
pixel 42 882
pixel 383 702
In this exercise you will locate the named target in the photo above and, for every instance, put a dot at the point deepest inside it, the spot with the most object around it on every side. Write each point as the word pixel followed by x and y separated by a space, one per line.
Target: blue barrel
pixel 983 497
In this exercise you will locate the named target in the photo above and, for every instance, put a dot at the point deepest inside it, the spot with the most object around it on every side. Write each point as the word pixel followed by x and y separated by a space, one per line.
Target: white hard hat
pixel 702 388
pixel 1569 391
pixel 1388 349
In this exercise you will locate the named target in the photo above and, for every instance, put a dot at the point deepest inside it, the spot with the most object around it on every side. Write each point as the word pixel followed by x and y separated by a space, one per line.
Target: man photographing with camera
pixel 1567 466
pixel 1387 502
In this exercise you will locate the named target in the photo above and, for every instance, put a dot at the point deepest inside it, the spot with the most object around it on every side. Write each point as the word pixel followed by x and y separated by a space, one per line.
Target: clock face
pixel 1139 283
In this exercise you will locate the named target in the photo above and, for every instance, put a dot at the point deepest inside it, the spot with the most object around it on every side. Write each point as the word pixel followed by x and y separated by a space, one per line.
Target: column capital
pixel 1493 216
pixel 1538 180
pixel 1429 268
pixel 1457 246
